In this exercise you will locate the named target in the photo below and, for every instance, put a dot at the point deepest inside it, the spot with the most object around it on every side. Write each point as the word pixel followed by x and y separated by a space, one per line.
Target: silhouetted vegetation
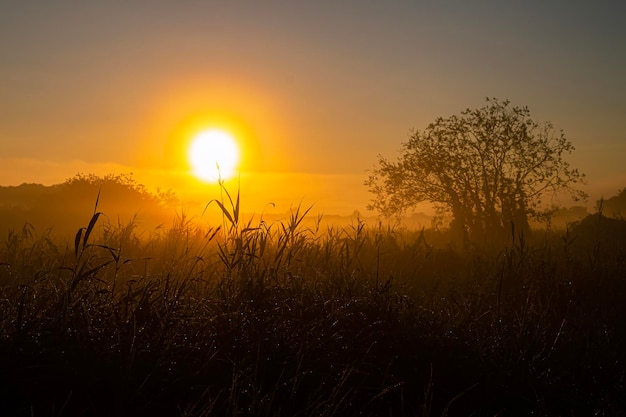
pixel 279 319
pixel 489 168
pixel 63 207
pixel 614 206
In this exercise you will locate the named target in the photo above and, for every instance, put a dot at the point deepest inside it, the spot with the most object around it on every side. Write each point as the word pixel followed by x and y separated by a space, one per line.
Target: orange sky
pixel 314 90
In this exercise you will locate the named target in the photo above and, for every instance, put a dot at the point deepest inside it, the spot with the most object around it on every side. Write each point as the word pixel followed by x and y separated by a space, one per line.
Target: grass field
pixel 283 319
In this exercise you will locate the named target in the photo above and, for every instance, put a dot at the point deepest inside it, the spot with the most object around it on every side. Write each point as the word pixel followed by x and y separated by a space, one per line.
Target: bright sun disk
pixel 214 155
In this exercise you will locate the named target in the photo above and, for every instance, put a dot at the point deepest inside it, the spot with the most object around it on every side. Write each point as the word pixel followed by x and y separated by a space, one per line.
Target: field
pixel 289 319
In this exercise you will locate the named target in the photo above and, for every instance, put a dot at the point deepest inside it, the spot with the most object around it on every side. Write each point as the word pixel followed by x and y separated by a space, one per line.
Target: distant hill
pixel 66 207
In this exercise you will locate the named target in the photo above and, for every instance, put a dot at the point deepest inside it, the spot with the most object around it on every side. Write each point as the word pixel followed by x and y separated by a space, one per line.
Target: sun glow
pixel 214 155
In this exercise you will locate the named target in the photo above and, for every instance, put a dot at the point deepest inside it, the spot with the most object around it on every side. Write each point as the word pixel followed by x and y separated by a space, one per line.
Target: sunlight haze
pixel 214 155
pixel 312 91
pixel 312 208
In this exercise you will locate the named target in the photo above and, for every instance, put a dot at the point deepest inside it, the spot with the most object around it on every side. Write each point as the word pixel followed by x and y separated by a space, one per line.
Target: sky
pixel 314 90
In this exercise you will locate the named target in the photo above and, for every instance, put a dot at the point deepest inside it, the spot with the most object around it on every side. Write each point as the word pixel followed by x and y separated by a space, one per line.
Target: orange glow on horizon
pixel 252 116
pixel 184 108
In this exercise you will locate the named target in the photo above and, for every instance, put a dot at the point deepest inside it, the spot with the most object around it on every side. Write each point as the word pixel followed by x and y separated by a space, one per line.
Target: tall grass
pixel 282 319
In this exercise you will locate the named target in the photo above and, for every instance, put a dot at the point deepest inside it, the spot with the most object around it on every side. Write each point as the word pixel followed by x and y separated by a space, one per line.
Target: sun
pixel 214 155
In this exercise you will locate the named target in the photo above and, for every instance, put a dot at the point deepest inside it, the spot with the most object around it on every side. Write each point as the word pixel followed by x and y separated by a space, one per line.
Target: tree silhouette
pixel 487 167
pixel 69 205
pixel 614 206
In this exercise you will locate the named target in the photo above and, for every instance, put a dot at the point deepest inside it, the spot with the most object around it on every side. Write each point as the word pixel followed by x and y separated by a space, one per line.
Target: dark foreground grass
pixel 283 320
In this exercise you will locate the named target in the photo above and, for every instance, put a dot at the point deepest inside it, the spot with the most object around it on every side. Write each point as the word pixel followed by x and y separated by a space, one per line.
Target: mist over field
pixel 124 301
pixel 63 208
pixel 289 315
pixel 312 209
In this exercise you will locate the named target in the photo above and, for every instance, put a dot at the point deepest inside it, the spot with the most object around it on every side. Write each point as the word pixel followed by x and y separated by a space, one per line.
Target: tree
pixel 488 167
pixel 67 206
pixel 614 206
